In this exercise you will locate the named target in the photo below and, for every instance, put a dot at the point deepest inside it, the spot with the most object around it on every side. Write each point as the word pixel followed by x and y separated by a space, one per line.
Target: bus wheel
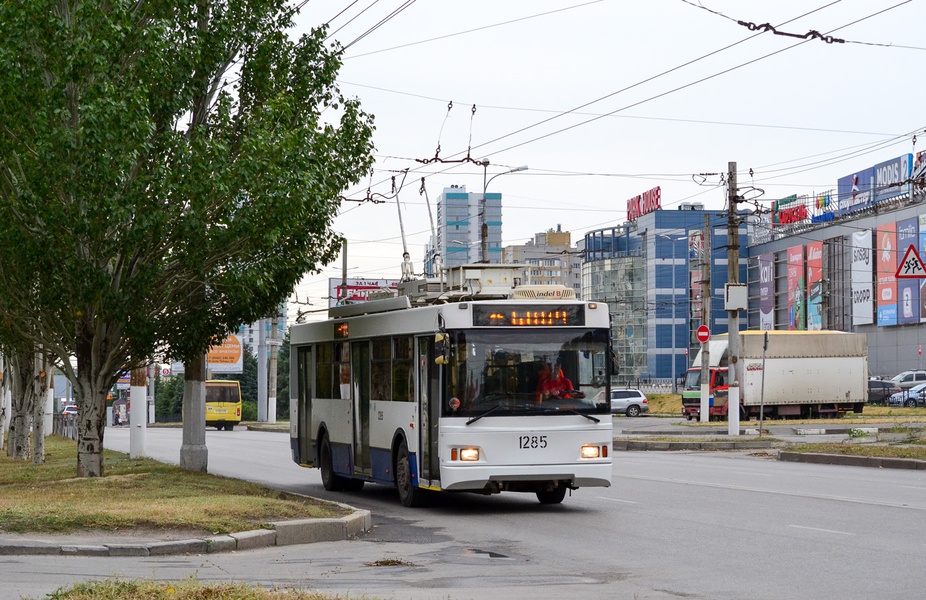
pixel 554 496
pixel 409 494
pixel 332 482
pixel 229 426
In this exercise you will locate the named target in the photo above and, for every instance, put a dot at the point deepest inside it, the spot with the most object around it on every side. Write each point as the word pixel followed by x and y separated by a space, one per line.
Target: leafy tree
pixel 165 174
pixel 168 398
pixel 283 380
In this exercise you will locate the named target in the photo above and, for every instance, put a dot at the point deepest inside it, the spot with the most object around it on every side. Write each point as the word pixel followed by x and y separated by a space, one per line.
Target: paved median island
pixel 280 533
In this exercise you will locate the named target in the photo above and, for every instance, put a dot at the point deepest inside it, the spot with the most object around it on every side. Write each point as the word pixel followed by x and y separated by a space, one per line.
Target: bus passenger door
pixel 428 379
pixel 360 380
pixel 304 435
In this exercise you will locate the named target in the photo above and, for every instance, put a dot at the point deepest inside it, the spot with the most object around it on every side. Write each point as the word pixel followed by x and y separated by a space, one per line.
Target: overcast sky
pixel 606 99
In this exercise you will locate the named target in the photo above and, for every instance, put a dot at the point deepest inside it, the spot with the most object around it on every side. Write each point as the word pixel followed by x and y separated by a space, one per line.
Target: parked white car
pixel 629 401
pixel 915 396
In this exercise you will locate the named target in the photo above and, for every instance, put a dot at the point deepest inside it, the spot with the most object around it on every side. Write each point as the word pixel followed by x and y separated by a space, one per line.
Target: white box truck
pixel 798 374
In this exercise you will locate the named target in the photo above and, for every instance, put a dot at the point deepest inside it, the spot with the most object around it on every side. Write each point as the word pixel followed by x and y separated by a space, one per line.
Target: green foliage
pixel 166 176
pixel 168 397
pixel 283 380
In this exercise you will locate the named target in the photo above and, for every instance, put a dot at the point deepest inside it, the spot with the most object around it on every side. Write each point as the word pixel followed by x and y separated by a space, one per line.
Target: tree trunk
pixel 21 405
pixel 91 407
pixel 40 381
pixel 4 412
pixel 194 456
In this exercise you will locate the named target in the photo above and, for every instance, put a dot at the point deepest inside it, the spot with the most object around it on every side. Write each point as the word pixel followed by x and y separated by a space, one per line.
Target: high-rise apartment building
pixel 550 258
pixel 459 228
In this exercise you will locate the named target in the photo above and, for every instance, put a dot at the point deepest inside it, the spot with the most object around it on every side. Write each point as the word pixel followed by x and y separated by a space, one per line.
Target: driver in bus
pixel 558 385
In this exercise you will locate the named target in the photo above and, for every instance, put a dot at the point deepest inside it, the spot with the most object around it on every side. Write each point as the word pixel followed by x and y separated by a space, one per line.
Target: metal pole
pixel 733 329
pixel 706 320
pixel 485 221
pixel 674 315
pixel 762 394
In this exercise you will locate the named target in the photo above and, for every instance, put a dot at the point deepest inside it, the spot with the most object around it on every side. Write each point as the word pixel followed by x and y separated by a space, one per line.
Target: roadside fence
pixel 65 425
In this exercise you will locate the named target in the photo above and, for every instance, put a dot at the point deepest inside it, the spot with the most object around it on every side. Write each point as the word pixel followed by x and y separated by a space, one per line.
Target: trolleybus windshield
pixel 533 371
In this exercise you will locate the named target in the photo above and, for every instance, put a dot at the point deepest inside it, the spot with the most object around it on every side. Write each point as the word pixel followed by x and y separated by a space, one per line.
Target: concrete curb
pixel 670 446
pixel 783 455
pixel 854 461
pixel 281 533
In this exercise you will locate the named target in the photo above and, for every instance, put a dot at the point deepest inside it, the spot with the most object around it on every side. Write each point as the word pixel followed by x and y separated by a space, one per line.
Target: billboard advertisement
pixel 815 286
pixel 796 305
pixel 891 177
pixel 886 251
pixel 863 305
pixel 908 290
pixel 767 291
pixel 824 206
pixel 224 358
pixel 854 192
pixel 922 248
pixel 357 290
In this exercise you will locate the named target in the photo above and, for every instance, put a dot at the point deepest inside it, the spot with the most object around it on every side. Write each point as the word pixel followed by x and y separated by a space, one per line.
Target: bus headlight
pixel 469 454
pixel 591 451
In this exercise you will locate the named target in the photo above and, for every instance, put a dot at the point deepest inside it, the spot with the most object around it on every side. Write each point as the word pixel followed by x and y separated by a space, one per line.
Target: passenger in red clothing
pixel 558 385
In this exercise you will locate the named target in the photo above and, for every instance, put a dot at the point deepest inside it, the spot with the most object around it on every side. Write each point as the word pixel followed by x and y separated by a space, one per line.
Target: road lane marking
pixel 617 500
pixel 823 530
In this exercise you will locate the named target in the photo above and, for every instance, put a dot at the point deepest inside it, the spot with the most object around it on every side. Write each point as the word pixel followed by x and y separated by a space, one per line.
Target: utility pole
pixel 706 320
pixel 274 350
pixel 342 293
pixel 262 371
pixel 734 369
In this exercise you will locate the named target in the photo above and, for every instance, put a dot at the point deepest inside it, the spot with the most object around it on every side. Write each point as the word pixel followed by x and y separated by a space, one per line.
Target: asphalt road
pixel 674 524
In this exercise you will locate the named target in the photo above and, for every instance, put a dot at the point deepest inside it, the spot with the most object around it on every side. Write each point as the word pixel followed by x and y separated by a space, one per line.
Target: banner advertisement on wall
pixel 908 290
pixel 767 291
pixel 863 305
pixel 815 286
pixel 796 297
pixel 886 251
pixel 353 291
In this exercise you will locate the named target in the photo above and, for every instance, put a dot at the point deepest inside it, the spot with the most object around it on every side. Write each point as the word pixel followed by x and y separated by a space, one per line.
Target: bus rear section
pixel 223 404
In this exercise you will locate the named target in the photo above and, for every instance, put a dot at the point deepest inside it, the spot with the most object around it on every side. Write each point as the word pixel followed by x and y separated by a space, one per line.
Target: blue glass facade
pixel 648 271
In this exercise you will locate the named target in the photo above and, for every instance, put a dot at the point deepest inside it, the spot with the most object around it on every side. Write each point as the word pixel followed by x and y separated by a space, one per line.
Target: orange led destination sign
pixel 524 315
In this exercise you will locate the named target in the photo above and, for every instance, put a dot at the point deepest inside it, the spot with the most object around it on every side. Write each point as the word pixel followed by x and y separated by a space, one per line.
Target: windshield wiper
pixel 575 412
pixel 477 417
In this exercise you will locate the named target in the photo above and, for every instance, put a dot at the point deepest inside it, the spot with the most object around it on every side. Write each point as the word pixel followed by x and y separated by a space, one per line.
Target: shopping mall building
pixel 849 259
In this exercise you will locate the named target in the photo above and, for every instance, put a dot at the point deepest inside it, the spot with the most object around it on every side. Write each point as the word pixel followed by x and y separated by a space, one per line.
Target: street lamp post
pixel 485 186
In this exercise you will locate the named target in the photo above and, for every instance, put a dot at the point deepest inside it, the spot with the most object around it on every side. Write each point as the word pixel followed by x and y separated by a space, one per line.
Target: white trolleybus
pixel 472 384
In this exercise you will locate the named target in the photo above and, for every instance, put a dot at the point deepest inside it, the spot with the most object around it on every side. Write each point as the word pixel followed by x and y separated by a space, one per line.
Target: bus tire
pixel 331 481
pixel 554 496
pixel 409 494
pixel 229 426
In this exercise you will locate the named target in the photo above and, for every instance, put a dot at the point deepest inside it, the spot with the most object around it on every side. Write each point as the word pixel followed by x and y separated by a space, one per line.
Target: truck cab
pixel 691 393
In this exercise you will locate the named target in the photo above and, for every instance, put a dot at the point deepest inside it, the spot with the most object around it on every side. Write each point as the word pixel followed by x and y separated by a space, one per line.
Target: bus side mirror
pixel 443 348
